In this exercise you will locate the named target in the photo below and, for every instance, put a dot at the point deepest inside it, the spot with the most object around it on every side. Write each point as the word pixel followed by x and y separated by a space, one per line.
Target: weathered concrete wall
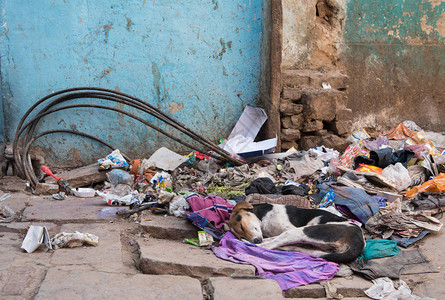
pixel 313 34
pixel 395 58
pixel 298 22
pixel 202 61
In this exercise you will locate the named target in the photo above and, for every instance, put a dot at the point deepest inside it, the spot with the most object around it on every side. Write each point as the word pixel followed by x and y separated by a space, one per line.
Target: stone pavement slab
pixel 17 201
pixel 430 284
pixel 169 257
pixel 106 256
pixel 169 227
pixel 72 209
pixel 22 227
pixel 240 288
pixel 71 283
pixel 20 273
pixel 347 287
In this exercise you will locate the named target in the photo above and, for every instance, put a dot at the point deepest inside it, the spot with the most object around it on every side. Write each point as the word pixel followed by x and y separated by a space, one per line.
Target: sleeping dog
pixel 316 232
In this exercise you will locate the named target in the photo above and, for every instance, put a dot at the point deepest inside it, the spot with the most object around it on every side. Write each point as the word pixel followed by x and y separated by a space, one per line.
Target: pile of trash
pixel 391 183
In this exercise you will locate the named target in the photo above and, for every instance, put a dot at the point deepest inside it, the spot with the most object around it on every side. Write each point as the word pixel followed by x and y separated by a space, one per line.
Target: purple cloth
pixel 215 209
pixel 375 144
pixel 288 268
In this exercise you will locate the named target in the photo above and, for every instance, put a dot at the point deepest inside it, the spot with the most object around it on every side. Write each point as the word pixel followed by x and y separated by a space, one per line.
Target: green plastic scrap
pixel 193 241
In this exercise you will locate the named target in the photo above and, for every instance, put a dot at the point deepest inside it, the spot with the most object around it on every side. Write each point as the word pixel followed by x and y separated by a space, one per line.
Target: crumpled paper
pixel 36 236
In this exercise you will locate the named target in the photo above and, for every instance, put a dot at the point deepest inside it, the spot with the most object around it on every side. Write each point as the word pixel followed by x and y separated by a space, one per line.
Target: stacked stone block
pixel 312 115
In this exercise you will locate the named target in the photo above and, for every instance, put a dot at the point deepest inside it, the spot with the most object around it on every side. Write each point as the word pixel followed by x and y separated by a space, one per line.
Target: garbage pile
pixel 391 183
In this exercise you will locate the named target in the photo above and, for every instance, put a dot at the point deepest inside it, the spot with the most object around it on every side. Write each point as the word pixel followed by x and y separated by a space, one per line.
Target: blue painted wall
pixel 201 61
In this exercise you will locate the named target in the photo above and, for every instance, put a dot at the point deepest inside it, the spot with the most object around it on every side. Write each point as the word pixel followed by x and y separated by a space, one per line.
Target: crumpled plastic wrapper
pixel 6 214
pixel 76 239
pixel 384 288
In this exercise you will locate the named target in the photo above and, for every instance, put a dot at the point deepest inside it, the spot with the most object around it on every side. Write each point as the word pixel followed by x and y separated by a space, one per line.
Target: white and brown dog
pixel 316 232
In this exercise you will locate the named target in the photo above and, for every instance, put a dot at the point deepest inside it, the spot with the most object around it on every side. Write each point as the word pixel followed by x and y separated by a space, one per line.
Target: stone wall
pixel 311 114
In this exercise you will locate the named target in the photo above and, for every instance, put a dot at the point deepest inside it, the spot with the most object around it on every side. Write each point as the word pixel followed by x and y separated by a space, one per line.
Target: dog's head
pixel 244 224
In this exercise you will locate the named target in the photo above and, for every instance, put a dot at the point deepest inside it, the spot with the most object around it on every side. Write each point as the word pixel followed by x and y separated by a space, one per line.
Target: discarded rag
pixel 262 185
pixel 404 263
pixel 378 249
pixel 357 200
pixel 213 208
pixel 288 268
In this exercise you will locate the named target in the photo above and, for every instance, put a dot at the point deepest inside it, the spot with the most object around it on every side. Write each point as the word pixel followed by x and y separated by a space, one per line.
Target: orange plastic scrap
pixel 136 165
pixel 369 168
pixel 401 132
pixel 435 185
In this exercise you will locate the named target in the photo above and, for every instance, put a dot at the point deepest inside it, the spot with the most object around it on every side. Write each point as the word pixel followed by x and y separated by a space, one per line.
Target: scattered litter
pixel 113 160
pixel 59 196
pixel 6 214
pixel 118 176
pixel 165 159
pixel 84 192
pixel 60 180
pixel 36 236
pixel 76 239
pixel 241 139
pixel 205 239
pixel 325 85
pixel 384 288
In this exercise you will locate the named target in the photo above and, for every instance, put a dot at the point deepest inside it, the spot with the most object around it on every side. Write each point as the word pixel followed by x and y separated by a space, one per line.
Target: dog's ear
pixel 242 206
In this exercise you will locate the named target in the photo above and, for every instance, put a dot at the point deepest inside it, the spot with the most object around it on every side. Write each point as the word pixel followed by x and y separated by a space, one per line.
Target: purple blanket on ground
pixel 288 268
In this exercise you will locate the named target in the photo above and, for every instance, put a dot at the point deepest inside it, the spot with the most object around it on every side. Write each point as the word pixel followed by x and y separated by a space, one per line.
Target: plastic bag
pixel 118 176
pixel 6 214
pixel 399 175
pixel 347 157
pixel 435 185
pixel 113 160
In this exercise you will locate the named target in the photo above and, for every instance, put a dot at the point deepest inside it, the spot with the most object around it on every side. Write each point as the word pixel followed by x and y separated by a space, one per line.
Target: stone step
pixel 107 256
pixel 166 257
pixel 70 210
pixel 348 287
pixel 74 283
pixel 169 228
pixel 313 78
pixel 236 288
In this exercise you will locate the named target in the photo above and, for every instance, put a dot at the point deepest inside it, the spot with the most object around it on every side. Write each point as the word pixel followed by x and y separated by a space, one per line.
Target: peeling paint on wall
pixel 395 61
pixel 174 107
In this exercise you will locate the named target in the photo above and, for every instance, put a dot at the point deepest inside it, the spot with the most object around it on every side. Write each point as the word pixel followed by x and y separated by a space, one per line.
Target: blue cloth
pixel 380 200
pixel 408 241
pixel 204 224
pixel 362 205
